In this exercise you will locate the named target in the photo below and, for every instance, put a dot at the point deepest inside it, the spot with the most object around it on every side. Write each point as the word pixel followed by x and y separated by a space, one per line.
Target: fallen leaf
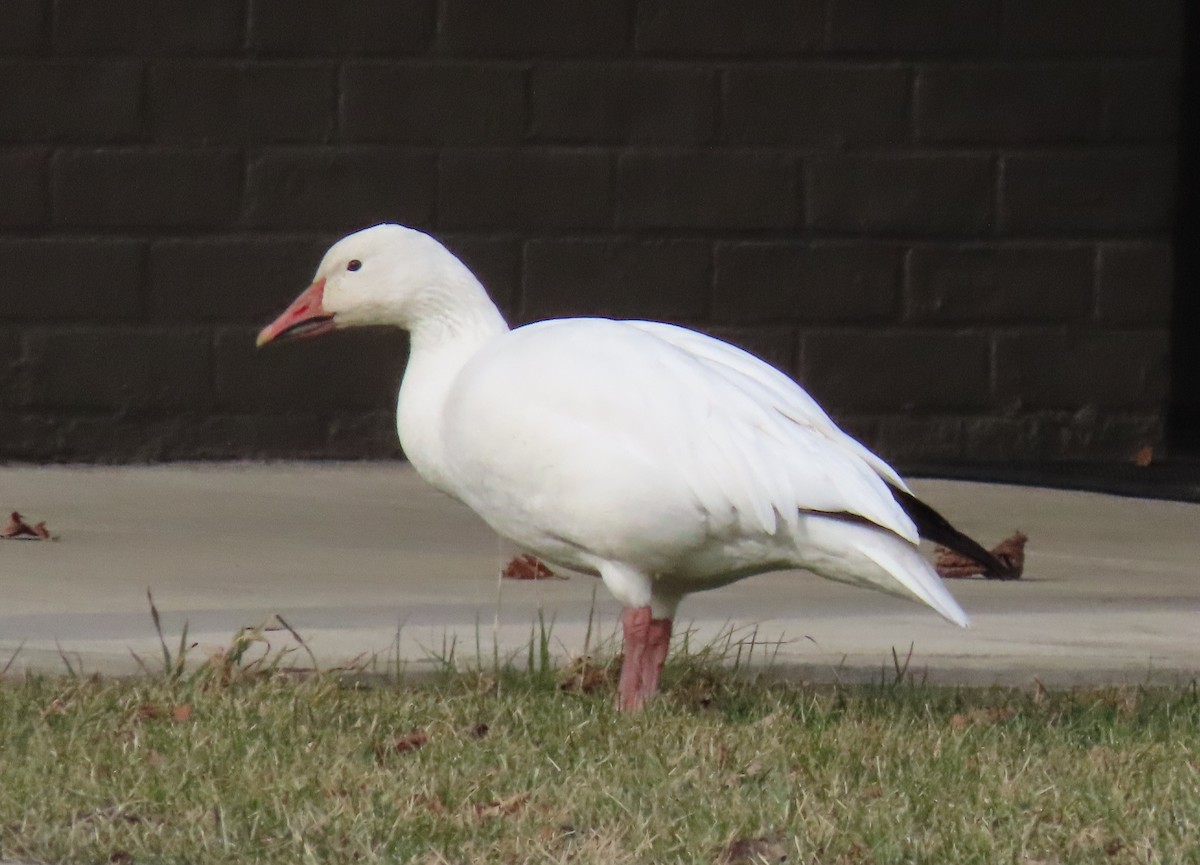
pixel 121 857
pixel 147 712
pixel 402 744
pixel 527 567
pixel 752 851
pixel 19 530
pixel 953 566
pixel 1011 551
pixel 17 527
pixel 181 713
pixel 501 807
pixel 584 676
pixel 411 742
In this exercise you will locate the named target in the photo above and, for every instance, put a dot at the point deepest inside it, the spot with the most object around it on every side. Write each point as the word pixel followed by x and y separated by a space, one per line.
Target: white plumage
pixel 662 459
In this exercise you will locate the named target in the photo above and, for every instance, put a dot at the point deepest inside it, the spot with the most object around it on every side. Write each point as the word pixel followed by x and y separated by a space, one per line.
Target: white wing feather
pixel 757 449
pixel 792 400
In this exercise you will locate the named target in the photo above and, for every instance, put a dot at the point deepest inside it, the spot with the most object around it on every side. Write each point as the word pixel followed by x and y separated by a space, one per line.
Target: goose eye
pixel 354 265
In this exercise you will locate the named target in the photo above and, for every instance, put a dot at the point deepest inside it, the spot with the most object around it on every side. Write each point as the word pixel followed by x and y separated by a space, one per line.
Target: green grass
pixel 508 767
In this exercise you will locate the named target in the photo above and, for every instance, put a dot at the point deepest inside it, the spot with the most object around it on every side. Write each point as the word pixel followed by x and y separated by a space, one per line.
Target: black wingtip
pixel 934 527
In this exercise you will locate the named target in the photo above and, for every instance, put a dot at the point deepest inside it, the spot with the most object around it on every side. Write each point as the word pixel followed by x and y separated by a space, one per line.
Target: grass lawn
pixel 510 767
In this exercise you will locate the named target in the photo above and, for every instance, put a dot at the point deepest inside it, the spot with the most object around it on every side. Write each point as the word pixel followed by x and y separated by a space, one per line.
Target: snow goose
pixel 661 459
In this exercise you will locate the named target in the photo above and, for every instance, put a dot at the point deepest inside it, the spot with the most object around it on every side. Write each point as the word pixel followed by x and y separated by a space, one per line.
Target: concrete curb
pixel 349 552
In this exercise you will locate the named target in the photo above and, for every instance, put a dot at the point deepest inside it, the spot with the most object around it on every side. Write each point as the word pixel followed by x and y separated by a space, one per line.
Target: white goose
pixel 664 460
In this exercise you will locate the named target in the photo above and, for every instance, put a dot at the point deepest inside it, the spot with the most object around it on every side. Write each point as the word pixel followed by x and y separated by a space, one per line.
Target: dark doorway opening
pixel 1183 423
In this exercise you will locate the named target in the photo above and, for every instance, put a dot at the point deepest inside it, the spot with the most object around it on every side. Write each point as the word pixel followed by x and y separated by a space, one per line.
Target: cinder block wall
pixel 950 219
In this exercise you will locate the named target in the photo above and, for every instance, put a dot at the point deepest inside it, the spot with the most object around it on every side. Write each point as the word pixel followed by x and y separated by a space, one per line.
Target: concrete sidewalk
pixel 364 558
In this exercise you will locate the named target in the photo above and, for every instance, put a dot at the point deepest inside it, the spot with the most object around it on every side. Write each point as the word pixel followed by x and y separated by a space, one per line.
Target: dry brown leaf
pixel 18 529
pixel 501 807
pixel 527 567
pixel 1011 551
pixel 411 742
pixel 121 857
pixel 954 566
pixel 181 713
pixel 406 744
pixel 584 676
pixel 147 712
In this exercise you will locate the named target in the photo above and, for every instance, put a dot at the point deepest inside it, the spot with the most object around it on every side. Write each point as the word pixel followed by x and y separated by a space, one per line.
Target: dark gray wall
pixel 949 218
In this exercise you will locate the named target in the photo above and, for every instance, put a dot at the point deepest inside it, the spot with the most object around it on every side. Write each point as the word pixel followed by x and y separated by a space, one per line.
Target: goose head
pixel 384 275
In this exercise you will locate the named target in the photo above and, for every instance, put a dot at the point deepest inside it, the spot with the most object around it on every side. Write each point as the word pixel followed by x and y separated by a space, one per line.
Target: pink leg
pixel 658 640
pixel 636 624
pixel 646 643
